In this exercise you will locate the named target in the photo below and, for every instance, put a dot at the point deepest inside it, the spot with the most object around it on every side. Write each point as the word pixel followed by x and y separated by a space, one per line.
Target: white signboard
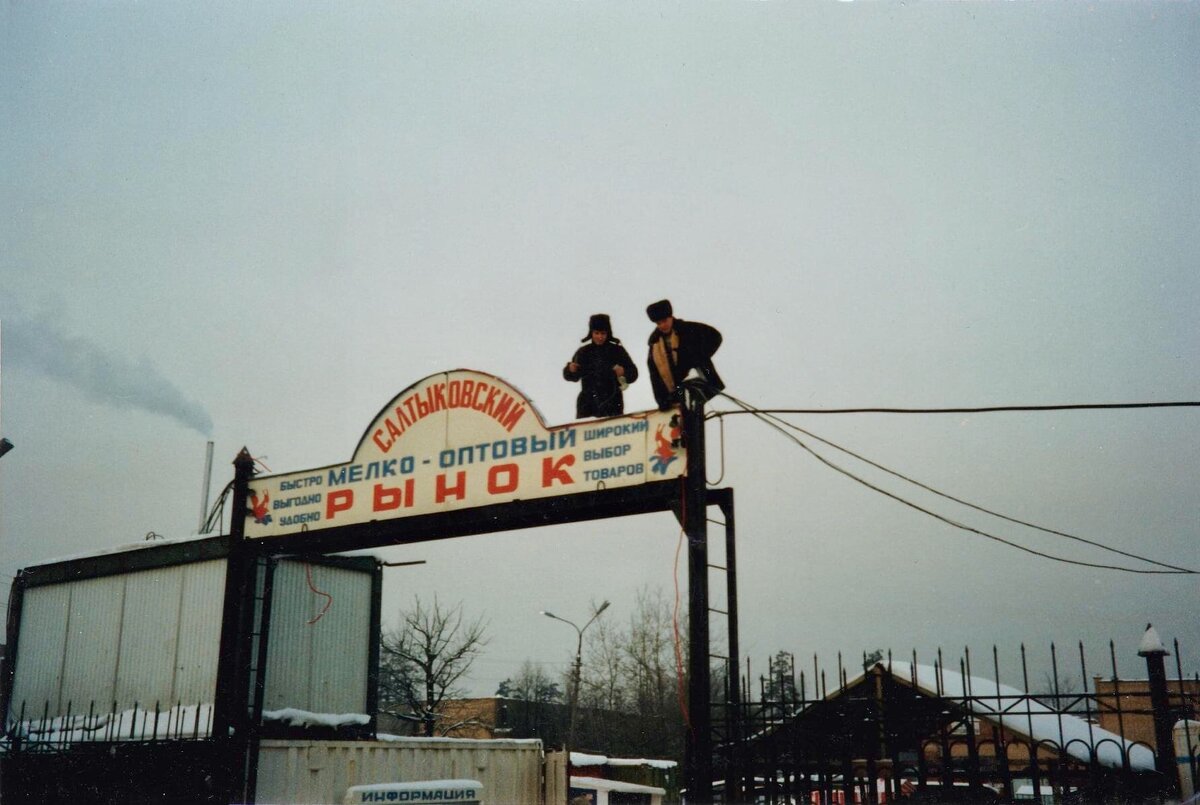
pixel 459 440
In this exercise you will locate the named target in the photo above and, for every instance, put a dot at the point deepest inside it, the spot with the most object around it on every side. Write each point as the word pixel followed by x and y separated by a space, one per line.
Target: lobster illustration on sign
pixel 259 508
pixel 667 449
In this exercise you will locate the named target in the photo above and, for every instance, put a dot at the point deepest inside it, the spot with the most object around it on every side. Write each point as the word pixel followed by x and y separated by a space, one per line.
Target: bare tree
pixel 657 656
pixel 423 660
pixel 533 706
pixel 778 688
pixel 870 658
pixel 1062 693
pixel 631 697
pixel 602 669
pixel 650 654
pixel 531 684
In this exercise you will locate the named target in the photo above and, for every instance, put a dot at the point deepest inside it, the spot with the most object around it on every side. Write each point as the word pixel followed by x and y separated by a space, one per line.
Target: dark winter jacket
pixel 600 394
pixel 697 343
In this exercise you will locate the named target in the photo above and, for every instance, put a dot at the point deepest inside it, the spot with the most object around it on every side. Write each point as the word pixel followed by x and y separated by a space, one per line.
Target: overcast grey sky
pixel 262 222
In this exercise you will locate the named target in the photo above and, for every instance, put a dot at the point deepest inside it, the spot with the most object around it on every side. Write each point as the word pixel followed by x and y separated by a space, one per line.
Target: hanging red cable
pixel 683 708
pixel 311 586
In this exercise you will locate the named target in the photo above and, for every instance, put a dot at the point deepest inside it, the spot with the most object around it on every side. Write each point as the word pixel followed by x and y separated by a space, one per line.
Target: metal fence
pixel 883 730
pixel 38 731
pixel 108 755
pixel 896 729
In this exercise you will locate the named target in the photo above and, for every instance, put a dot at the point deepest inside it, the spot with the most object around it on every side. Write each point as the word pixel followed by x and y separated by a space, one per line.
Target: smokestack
pixel 205 486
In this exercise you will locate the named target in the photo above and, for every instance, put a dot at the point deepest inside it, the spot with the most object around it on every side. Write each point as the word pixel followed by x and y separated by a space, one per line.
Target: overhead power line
pixel 987 409
pixel 780 425
pixel 977 507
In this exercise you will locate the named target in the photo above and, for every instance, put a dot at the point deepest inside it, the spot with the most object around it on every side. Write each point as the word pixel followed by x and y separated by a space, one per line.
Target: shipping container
pixel 304 772
pixel 139 632
pixel 116 632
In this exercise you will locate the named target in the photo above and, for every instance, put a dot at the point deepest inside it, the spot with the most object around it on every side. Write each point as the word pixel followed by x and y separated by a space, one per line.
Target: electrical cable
pixel 218 510
pixel 683 708
pixel 968 504
pixel 760 415
pixel 311 586
pixel 987 409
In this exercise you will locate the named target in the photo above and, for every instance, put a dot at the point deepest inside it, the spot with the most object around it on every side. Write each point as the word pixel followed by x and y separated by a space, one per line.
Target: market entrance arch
pixel 463 453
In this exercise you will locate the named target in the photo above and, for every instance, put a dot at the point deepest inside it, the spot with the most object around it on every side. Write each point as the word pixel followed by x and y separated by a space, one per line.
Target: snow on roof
pixel 597 784
pixel 416 739
pixel 641 761
pixel 134 724
pixel 303 718
pixel 585 759
pixel 1018 713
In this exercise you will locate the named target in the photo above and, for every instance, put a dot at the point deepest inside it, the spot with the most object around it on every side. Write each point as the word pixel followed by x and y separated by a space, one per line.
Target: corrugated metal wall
pixel 38 679
pixel 136 638
pixel 320 772
pixel 319 664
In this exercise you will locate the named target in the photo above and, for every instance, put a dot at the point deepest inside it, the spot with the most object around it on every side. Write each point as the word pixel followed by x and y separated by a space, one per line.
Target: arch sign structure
pixel 459 453
pixel 459 440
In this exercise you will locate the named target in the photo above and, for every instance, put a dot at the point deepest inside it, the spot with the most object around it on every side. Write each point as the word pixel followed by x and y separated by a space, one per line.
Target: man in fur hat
pixel 678 347
pixel 604 368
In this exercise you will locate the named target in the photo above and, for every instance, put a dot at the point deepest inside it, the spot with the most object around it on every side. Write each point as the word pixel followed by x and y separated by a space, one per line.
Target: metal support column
pixel 698 754
pixel 734 790
pixel 231 710
pixel 1155 655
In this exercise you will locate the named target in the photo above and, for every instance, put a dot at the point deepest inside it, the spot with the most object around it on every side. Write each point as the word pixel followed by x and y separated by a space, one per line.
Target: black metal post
pixel 1164 749
pixel 232 705
pixel 733 779
pixel 698 752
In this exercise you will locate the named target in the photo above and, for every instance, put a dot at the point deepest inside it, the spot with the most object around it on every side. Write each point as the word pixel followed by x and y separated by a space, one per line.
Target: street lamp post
pixel 576 676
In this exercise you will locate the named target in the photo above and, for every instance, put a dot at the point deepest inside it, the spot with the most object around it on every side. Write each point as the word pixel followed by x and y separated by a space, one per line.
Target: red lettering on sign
pixel 512 418
pixel 489 406
pixel 403 417
pixel 338 501
pixel 387 498
pixel 552 470
pixel 377 438
pixel 458 491
pixel 496 486
pixel 437 397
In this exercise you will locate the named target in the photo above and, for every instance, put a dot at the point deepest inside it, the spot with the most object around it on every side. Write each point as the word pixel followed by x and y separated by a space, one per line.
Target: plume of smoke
pixel 38 345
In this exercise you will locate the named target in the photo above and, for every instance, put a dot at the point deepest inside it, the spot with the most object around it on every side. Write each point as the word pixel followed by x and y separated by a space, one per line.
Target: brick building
pixel 1124 705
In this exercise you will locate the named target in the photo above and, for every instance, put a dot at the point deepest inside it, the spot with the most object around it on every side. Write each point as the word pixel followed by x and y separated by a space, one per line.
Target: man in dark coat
pixel 678 347
pixel 604 368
